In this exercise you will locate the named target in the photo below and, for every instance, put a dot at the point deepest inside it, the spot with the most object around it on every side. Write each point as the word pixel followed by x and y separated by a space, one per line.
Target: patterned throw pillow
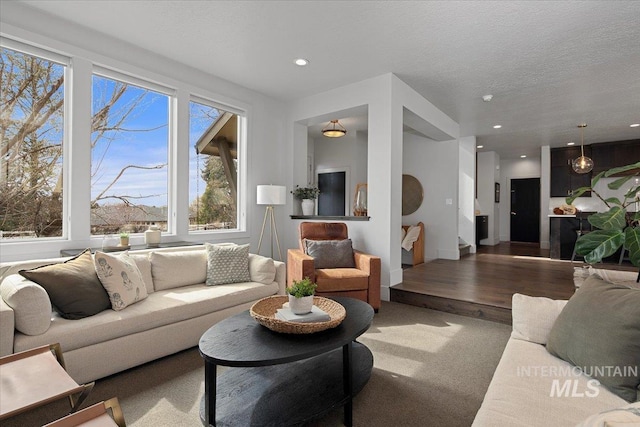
pixel 227 264
pixel 121 279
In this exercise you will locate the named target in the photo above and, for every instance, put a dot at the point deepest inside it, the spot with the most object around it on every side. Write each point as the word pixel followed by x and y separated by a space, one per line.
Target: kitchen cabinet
pixel 610 155
pixel 563 179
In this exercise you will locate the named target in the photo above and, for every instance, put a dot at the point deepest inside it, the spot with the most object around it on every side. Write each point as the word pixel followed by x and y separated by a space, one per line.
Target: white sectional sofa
pixel 531 387
pixel 170 319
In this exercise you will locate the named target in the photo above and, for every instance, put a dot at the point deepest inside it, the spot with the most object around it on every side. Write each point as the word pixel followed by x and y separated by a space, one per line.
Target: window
pixel 31 146
pixel 213 167
pixel 129 157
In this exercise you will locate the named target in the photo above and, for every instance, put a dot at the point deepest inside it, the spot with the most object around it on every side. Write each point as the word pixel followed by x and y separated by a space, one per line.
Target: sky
pixel 147 148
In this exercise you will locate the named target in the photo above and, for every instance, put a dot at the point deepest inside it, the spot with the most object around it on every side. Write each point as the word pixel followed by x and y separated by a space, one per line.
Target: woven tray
pixel 264 312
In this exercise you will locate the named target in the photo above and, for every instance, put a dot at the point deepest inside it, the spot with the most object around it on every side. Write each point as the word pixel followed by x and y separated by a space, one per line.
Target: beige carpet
pixel 430 369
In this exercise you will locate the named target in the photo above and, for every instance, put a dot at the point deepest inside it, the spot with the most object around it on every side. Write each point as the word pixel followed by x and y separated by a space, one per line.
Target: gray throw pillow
pixel 227 264
pixel 599 332
pixel 330 253
pixel 73 286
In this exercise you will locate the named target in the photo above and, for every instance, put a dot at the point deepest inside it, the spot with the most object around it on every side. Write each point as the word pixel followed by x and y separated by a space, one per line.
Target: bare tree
pixel 31 132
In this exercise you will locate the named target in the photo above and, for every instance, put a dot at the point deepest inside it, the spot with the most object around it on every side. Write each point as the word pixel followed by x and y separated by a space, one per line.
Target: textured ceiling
pixel 550 65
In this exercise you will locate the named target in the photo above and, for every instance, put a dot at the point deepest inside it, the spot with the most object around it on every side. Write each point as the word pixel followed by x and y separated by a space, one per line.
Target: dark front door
pixel 332 193
pixel 525 210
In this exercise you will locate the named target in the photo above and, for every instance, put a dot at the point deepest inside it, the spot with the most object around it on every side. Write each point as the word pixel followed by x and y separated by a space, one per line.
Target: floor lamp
pixel 271 195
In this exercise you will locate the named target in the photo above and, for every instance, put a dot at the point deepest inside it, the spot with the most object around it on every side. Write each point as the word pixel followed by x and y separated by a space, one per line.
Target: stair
pixel 464 248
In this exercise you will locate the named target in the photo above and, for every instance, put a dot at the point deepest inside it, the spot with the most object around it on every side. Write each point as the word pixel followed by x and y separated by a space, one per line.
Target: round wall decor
pixel 412 194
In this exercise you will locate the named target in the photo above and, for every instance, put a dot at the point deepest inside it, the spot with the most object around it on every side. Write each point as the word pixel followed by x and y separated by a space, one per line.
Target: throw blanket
pixel 413 232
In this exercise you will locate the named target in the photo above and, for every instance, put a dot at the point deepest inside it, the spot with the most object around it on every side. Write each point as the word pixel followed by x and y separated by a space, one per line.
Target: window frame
pixel 241 214
pixel 80 65
pixel 171 94
pixel 66 62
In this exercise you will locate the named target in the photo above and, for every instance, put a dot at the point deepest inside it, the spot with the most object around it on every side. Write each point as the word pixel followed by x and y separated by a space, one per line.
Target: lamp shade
pixel 272 195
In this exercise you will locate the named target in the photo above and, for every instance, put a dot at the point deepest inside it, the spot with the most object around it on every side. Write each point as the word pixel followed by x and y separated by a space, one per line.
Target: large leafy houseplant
pixel 616 227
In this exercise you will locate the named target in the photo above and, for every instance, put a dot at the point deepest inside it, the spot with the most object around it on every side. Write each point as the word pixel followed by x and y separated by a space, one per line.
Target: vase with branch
pixel 308 195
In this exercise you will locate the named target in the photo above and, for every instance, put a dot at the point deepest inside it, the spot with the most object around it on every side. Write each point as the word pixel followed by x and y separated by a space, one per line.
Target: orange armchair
pixel 361 282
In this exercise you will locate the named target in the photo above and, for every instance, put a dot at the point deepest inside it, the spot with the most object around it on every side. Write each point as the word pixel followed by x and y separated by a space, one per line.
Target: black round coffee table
pixel 292 379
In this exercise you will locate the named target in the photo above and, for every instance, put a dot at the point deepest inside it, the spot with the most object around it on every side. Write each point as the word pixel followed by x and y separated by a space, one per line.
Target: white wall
pixel 265 132
pixel 435 165
pixel 488 175
pixel 466 191
pixel 513 169
pixel 385 97
pixel 348 153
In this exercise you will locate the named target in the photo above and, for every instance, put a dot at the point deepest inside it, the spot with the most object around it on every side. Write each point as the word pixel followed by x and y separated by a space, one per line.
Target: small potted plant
pixel 124 239
pixel 301 295
pixel 308 195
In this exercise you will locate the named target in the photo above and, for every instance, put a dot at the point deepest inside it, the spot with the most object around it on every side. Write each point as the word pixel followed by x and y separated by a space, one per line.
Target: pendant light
pixel 334 130
pixel 582 164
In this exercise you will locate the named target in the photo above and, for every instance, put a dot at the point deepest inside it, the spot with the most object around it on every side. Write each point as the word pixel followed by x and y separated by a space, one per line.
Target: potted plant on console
pixel 301 296
pixel 308 195
pixel 615 228
pixel 124 239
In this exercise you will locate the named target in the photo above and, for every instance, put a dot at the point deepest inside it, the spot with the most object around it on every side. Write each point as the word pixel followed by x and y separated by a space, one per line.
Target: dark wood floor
pixel 482 284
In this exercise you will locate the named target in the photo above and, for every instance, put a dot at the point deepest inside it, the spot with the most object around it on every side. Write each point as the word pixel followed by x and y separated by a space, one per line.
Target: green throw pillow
pixel 599 332
pixel 73 286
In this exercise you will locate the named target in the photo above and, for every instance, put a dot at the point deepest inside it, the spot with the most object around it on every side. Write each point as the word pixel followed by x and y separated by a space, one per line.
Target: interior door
pixel 525 210
pixel 331 200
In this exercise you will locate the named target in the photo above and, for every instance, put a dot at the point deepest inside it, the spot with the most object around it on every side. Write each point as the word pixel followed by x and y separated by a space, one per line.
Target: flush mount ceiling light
pixel 497 126
pixel 524 156
pixel 635 125
pixel 571 143
pixel 301 62
pixel 582 164
pixel 334 130
pixel 487 98
pixel 479 146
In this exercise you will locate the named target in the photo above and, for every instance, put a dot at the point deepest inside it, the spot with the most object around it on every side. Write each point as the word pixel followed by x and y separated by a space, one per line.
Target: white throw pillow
pixel 176 269
pixel 144 265
pixel 227 264
pixel 626 416
pixel 30 304
pixel 625 278
pixel 533 317
pixel 261 269
pixel 121 278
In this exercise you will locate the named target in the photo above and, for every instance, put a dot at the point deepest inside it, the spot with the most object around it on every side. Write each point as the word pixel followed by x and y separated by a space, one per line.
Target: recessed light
pixel 479 146
pixel 523 156
pixel 487 98
pixel 497 126
pixel 301 62
pixel 571 143
pixel 635 125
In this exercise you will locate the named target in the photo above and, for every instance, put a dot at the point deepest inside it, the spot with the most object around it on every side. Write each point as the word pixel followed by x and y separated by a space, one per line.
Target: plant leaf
pixel 614 200
pixel 613 219
pixel 576 193
pixel 632 243
pixel 599 244
pixel 596 178
pixel 632 192
pixel 626 168
pixel 615 185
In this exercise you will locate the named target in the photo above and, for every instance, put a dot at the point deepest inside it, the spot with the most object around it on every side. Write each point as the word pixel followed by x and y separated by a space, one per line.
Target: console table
pixel 292 379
